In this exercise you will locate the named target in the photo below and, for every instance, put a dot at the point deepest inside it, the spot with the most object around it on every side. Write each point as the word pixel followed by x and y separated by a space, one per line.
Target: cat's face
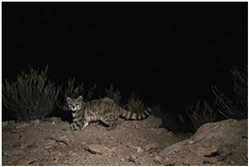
pixel 75 104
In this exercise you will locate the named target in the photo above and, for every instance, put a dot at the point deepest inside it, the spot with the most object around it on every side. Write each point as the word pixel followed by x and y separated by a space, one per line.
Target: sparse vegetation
pixel 113 94
pixel 135 105
pixel 200 116
pixel 238 109
pixel 31 97
pixel 156 111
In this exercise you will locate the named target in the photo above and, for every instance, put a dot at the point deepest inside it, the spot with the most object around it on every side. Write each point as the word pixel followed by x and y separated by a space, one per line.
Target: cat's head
pixel 75 104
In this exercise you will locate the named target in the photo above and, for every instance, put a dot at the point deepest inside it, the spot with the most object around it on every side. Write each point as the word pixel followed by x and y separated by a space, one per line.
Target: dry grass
pixel 31 97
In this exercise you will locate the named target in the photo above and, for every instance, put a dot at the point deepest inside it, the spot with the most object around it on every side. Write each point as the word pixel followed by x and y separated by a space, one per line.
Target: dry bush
pixel 157 112
pixel 238 109
pixel 113 94
pixel 31 97
pixel 135 105
pixel 199 115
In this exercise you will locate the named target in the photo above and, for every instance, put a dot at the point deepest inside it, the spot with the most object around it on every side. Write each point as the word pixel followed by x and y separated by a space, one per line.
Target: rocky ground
pixel 51 142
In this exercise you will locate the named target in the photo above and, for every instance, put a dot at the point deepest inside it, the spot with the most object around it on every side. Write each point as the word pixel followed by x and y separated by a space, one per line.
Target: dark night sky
pixel 167 53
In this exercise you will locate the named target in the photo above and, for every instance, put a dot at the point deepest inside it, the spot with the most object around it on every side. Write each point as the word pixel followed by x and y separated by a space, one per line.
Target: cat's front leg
pixel 85 125
pixel 75 126
pixel 72 126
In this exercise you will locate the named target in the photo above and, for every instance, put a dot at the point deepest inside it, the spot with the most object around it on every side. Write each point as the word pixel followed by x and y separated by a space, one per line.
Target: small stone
pixel 65 161
pixel 6 154
pixel 47 144
pixel 15 151
pixel 110 137
pixel 97 149
pixel 64 138
pixel 15 131
pixel 35 122
pixel 176 148
pixel 22 125
pixel 139 150
pixel 158 159
pixel 191 141
pixel 132 158
pixel 150 146
pixel 210 160
pixel 138 126
pixel 73 154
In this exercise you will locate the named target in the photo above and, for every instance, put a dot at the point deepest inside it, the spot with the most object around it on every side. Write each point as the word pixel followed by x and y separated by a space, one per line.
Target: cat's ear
pixel 83 104
pixel 80 98
pixel 69 99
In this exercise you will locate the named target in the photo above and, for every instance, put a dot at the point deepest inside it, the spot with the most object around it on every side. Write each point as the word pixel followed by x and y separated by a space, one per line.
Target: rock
pixel 14 152
pixel 110 137
pixel 150 146
pixel 49 143
pixel 35 122
pixel 158 159
pixel 63 139
pixel 210 160
pixel 132 158
pixel 213 143
pixel 97 149
pixel 22 125
pixel 6 154
pixel 138 126
pixel 15 131
pixel 135 160
pixel 139 149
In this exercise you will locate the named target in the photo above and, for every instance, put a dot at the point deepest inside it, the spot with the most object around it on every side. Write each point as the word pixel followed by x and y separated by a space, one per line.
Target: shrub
pixel 114 95
pixel 73 92
pixel 199 116
pixel 135 105
pixel 156 111
pixel 228 108
pixel 31 97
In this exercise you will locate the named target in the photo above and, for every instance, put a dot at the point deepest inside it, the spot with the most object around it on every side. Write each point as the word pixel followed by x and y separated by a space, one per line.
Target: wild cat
pixel 104 110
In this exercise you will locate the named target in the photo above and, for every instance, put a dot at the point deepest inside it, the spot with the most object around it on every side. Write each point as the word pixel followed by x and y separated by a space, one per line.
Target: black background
pixel 168 53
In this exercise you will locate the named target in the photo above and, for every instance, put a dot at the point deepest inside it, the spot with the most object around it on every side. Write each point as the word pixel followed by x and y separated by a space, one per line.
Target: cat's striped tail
pixel 136 116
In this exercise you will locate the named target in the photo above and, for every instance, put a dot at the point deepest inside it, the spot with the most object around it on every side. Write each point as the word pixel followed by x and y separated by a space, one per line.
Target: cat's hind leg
pixel 110 120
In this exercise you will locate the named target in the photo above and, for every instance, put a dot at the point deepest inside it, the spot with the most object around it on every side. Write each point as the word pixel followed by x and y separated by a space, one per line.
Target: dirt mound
pixel 220 143
pixel 132 143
